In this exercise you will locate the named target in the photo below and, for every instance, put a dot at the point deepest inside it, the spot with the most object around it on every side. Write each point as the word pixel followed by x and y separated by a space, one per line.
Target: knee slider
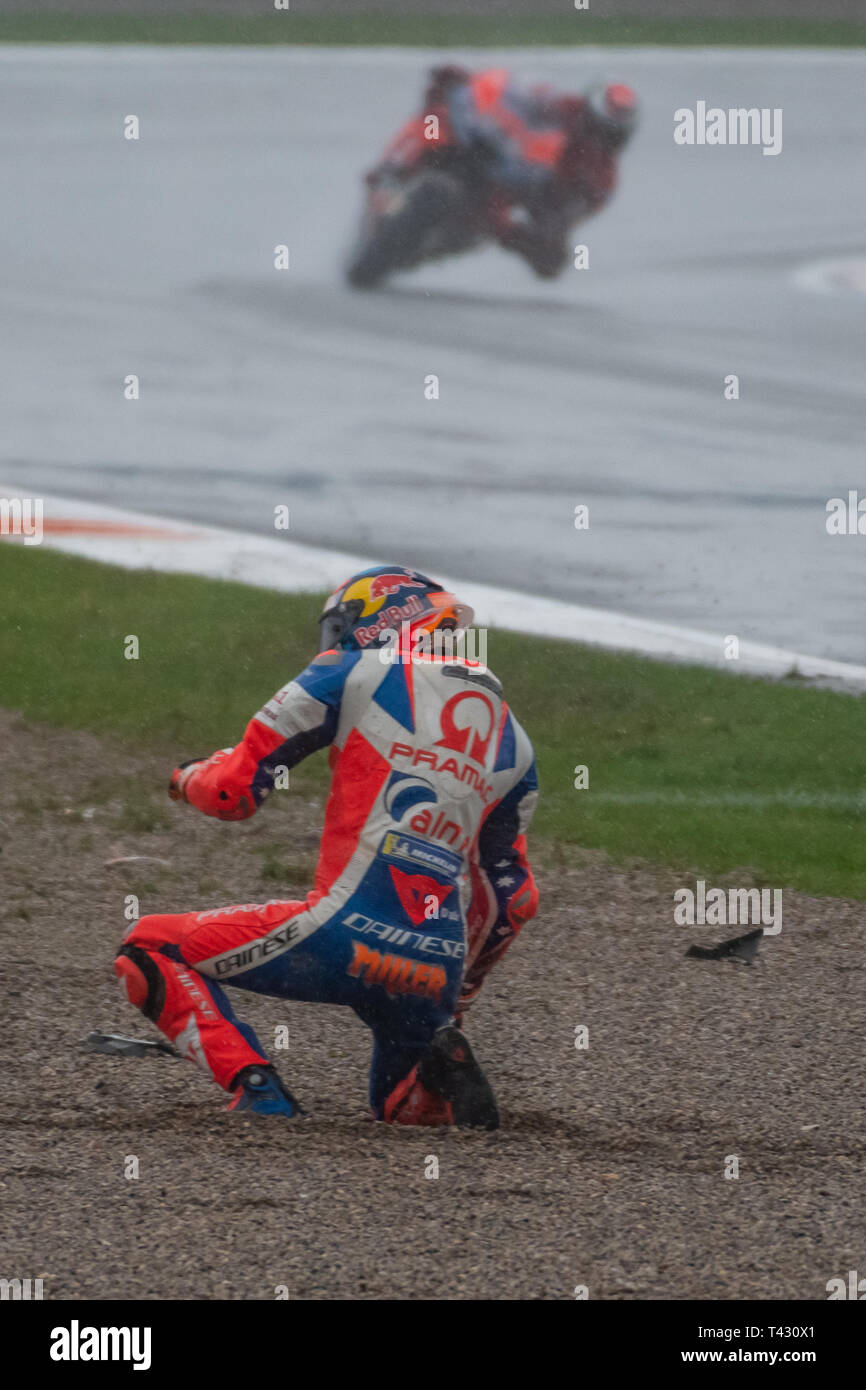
pixel 142 979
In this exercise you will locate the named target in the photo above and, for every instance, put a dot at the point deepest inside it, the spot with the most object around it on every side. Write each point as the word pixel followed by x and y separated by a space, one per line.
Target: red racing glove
pixel 218 786
pixel 180 777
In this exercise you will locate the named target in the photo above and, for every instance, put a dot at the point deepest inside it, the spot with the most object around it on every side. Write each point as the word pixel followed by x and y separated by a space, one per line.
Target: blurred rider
pixel 551 158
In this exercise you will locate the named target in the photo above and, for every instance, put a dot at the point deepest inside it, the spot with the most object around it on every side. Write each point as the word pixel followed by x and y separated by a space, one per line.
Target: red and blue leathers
pixel 542 152
pixel 422 880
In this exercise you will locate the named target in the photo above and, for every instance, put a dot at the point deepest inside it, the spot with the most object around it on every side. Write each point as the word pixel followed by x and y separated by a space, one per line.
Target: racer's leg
pixel 166 963
pixel 400 1041
pixel 542 241
pixel 445 1086
pixel 423 1071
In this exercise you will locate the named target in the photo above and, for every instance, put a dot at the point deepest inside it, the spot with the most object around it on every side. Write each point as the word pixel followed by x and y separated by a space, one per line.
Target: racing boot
pixel 449 1070
pixel 260 1089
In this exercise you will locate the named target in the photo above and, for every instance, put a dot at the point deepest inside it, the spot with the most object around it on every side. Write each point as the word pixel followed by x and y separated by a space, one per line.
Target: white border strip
pixel 291 567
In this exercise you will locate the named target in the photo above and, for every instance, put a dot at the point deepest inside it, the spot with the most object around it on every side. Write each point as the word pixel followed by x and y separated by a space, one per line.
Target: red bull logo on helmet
pixel 384 585
pixel 390 617
pixel 374 589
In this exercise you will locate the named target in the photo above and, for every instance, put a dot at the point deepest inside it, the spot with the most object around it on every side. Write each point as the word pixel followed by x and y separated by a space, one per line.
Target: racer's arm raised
pixel 299 719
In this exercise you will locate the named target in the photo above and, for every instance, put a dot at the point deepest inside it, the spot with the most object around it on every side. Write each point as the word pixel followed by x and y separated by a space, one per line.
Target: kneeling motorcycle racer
pixel 422 880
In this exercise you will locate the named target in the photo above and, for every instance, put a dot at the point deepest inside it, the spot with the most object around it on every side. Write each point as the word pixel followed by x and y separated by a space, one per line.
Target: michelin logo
pixel 395 846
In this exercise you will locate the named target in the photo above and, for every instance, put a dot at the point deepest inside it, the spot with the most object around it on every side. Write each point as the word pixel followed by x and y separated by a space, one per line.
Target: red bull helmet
pixel 371 606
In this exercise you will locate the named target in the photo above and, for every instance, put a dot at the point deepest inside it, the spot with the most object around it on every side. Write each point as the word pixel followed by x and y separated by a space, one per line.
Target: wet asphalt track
pixel 260 387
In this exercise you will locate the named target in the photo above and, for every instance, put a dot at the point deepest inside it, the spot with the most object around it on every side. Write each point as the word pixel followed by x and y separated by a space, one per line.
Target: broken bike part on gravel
pixel 116 1045
pixel 738 948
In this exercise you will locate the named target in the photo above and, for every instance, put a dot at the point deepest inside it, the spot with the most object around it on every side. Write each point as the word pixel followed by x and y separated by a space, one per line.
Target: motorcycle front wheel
pixel 399 239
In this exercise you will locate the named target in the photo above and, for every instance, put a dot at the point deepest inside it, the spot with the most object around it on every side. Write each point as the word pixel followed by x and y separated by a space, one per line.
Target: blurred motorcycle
pixel 427 198
pixel 492 160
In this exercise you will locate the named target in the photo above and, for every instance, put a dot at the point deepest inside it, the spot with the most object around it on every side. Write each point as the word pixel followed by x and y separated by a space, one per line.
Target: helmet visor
pixel 450 613
pixel 336 623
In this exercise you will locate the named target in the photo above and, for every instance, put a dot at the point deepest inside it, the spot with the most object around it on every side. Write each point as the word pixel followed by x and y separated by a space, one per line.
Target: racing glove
pixel 180 777
pixel 190 782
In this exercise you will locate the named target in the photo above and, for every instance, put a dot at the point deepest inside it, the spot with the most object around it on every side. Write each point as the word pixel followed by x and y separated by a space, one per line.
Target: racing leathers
pixel 422 880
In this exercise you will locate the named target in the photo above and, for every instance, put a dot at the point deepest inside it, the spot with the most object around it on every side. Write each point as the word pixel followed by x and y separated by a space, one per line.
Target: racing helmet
pixel 611 113
pixel 371 606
